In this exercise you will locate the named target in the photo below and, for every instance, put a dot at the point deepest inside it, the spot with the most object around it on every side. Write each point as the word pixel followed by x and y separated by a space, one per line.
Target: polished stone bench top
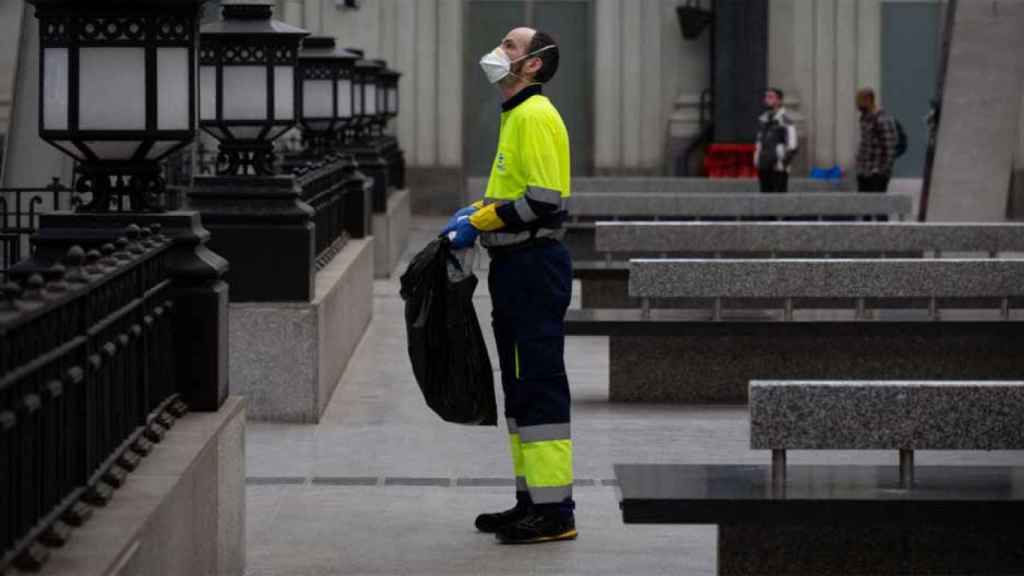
pixel 872 415
pixel 815 237
pixel 811 278
pixel 734 494
pixel 667 205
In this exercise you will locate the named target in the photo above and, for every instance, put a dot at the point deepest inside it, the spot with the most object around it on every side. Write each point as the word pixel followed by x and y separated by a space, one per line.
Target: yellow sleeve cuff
pixel 486 219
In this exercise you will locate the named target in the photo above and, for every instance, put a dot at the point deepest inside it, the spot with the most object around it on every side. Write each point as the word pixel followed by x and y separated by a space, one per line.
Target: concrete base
pixel 391 233
pixel 288 357
pixel 181 512
pixel 714 362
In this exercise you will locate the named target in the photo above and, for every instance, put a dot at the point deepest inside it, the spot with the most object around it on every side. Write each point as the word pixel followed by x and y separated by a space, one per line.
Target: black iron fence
pixel 19 216
pixel 87 384
pixel 323 187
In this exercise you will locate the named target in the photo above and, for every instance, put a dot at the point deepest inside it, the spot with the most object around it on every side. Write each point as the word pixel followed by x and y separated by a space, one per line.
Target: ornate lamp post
pixel 327 93
pixel 247 85
pixel 117 92
pixel 368 95
pixel 257 217
pixel 389 91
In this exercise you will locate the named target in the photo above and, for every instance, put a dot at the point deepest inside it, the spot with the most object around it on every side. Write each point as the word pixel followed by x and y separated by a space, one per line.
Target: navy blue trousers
pixel 531 288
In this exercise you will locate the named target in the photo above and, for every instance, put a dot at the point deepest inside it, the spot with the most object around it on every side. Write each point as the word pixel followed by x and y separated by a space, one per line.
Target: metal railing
pixel 19 216
pixel 322 183
pixel 87 386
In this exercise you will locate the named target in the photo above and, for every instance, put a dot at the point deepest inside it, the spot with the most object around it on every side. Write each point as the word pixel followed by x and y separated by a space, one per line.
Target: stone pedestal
pixel 182 511
pixel 391 234
pixel 372 163
pixel 263 228
pixel 287 357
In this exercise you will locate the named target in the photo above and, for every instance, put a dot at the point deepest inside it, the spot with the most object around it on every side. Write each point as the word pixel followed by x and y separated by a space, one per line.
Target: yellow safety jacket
pixel 528 189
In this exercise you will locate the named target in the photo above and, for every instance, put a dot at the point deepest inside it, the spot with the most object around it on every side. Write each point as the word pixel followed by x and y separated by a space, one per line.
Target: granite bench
pixel 816 519
pixel 884 415
pixel 733 321
pixel 589 208
pixel 604 282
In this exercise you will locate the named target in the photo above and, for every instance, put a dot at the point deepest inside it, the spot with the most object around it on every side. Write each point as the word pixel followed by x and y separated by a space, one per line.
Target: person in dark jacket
pixel 879 138
pixel 776 144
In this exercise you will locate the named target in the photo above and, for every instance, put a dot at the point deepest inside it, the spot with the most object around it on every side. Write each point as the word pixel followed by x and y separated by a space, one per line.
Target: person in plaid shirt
pixel 878 140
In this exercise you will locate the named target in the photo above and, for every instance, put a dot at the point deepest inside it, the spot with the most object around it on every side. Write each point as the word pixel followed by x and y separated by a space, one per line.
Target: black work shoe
pixel 536 527
pixel 493 522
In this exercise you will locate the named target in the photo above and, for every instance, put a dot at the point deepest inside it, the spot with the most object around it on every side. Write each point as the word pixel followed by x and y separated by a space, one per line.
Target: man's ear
pixel 533 65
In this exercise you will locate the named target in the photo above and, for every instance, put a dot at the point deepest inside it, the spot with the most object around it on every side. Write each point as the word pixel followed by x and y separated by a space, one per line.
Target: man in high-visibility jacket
pixel 520 221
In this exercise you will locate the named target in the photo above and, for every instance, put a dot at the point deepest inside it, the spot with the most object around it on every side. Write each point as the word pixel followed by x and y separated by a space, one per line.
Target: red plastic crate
pixel 730 161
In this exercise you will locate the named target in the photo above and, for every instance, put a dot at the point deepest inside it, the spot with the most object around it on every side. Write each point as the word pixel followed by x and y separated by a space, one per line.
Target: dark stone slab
pixel 839 519
pixel 694 361
pixel 837 495
pixel 812 237
pixel 947 415
pixel 822 550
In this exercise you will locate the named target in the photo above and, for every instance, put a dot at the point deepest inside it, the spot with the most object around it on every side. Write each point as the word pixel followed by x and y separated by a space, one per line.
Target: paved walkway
pixel 383 486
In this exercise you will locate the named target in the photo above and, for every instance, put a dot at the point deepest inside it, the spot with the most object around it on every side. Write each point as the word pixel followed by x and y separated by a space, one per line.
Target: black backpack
pixel 901 142
pixel 901 137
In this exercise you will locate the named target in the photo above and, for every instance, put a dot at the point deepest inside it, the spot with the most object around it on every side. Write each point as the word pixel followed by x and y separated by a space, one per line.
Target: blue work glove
pixel 463 234
pixel 467 211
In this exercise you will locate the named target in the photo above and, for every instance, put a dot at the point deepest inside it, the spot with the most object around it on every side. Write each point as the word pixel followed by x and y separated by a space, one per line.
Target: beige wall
pixel 642 66
pixel 422 39
pixel 820 53
pixel 10 35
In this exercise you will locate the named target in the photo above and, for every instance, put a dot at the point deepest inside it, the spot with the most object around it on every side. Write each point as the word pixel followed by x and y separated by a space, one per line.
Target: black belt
pixel 499 251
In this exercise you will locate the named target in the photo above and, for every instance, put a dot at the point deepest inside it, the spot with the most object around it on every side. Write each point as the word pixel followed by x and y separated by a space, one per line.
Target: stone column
pixel 980 109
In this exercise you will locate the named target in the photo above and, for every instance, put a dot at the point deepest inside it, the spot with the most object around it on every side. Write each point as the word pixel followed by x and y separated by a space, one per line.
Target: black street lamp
pixel 389 90
pixel 367 83
pixel 327 93
pixel 117 86
pixel 247 85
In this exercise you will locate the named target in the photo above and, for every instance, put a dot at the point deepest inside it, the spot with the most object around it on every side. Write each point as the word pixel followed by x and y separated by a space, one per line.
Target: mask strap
pixel 534 53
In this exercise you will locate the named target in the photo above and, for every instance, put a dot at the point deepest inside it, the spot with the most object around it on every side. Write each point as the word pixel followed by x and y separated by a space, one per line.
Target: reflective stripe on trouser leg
pixel 516 449
pixel 547 458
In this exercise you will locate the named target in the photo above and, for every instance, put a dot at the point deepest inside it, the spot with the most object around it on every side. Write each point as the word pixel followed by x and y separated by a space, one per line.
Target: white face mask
pixel 497 66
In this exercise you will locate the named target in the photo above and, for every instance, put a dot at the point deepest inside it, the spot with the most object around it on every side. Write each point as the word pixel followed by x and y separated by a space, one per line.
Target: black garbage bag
pixel 446 347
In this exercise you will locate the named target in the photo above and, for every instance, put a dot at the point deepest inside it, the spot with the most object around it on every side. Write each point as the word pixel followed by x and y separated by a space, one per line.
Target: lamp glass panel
pixel 112 149
pixel 393 100
pixel 69 149
pixel 284 93
pixel 55 89
pixel 344 98
pixel 207 92
pixel 316 99
pixel 246 132
pixel 245 93
pixel 370 100
pixel 112 88
pixel 159 149
pixel 172 93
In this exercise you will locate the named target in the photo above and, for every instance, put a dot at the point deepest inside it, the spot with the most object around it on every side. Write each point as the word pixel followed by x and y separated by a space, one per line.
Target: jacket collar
pixel 521 96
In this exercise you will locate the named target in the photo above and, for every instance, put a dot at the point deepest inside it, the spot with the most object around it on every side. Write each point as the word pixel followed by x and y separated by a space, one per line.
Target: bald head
pixel 543 58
